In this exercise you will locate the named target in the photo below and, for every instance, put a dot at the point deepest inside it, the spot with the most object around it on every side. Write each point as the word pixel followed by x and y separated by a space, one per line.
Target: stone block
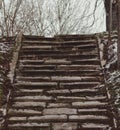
pixel 64 126
pixel 55 111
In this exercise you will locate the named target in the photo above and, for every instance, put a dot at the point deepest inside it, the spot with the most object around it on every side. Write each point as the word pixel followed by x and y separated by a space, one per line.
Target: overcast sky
pixel 100 16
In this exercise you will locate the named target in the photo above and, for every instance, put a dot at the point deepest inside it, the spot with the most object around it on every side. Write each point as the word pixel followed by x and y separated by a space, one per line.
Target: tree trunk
pixel 0 4
pixel 118 45
pixel 107 9
pixel 110 22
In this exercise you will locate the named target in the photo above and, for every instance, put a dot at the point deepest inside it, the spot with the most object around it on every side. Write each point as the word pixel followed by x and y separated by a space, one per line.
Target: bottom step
pixel 59 126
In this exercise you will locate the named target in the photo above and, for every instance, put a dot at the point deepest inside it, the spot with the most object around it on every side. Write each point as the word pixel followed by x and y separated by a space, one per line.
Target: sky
pixel 99 14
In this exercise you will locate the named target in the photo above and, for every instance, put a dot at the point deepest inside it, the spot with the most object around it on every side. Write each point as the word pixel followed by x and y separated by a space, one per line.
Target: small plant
pixel 113 84
pixel 5 58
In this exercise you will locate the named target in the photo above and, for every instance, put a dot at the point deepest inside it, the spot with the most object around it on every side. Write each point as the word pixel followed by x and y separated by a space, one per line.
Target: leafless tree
pixel 0 4
pixel 71 16
pixel 47 17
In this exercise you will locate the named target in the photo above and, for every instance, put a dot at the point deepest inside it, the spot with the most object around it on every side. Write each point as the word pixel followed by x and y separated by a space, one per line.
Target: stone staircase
pixel 59 85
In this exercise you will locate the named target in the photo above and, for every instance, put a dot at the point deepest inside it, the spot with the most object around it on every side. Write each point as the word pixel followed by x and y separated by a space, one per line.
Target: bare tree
pixel 71 16
pixel 48 17
pixel 8 17
pixel 0 4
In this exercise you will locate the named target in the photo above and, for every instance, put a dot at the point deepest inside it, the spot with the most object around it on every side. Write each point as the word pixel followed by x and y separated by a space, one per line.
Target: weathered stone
pixel 16 119
pixel 94 126
pixel 34 98
pixel 64 126
pixel 69 99
pixel 58 105
pixel 79 84
pixel 57 86
pixel 60 91
pixel 37 47
pixel 29 104
pixel 23 112
pixel 92 110
pixel 89 104
pixel 62 111
pixel 66 78
pixel 78 66
pixel 39 78
pixel 31 61
pixel 84 90
pixel 86 117
pixel 61 61
pixel 31 90
pixel 96 98
pixel 50 84
pixel 30 125
pixel 50 118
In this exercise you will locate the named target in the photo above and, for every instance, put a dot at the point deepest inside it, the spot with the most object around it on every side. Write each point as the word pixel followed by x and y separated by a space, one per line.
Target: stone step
pixel 54 56
pixel 33 85
pixel 90 104
pixel 75 78
pixel 93 126
pixel 37 47
pixel 74 95
pixel 60 61
pixel 59 73
pixel 87 62
pixel 60 67
pixel 44 85
pixel 60 118
pixel 81 98
pixel 55 43
pixel 30 104
pixel 89 119
pixel 32 91
pixel 60 78
pixel 75 92
pixel 68 98
pixel 58 52
pixel 71 111
pixel 28 92
pixel 34 67
pixel 60 46
pixel 39 119
pixel 82 85
pixel 94 111
pixel 24 112
pixel 29 125
pixel 34 98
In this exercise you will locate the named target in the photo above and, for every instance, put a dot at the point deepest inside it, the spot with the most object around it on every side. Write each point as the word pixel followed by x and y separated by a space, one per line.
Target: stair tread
pixel 21 112
pixel 60 78
pixel 62 46
pixel 63 66
pixel 63 42
pixel 92 125
pixel 54 83
pixel 78 98
pixel 34 98
pixel 90 104
pixel 57 117
pixel 55 60
pixel 32 125
pixel 28 104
